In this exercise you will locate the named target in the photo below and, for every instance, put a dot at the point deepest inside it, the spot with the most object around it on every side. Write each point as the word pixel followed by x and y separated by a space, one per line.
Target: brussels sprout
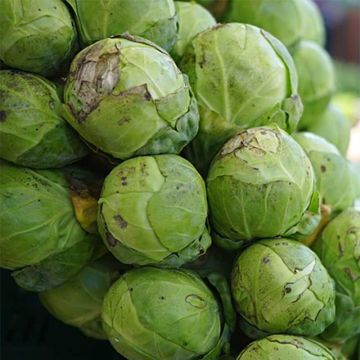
pixel 334 127
pixel 332 171
pixel 36 35
pixel 78 301
pixel 280 286
pixel 32 131
pixel 154 20
pixel 339 250
pixel 290 21
pixel 261 184
pixel 193 19
pixel 316 80
pixel 181 318
pixel 39 234
pixel 153 210
pixel 242 77
pixel 281 347
pixel 127 97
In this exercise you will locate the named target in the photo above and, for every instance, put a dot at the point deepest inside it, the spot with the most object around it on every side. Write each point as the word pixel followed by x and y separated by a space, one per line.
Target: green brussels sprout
pixel 316 80
pixel 342 351
pixel 280 286
pixel 261 184
pixel 290 21
pixel 154 20
pixel 39 235
pixel 153 210
pixel 193 18
pixel 334 127
pixel 32 131
pixel 244 80
pixel 127 97
pixel 78 301
pixel 338 248
pixel 180 318
pixel 281 347
pixel 36 36
pixel 332 171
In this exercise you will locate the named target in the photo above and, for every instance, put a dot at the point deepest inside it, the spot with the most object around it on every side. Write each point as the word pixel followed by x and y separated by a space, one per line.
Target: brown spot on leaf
pixel 111 240
pixel 119 219
pixel 2 116
pixel 323 168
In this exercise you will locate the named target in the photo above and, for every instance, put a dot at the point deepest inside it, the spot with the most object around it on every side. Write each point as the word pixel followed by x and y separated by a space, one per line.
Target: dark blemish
pixel 266 260
pixel 110 239
pixel 2 116
pixel 123 224
pixel 263 132
pixel 322 168
pixel 177 187
pixel 162 298
pixel 123 121
pixel 39 9
pixel 295 97
pixel 123 181
pixel 131 289
pixel 287 290
pixel 147 95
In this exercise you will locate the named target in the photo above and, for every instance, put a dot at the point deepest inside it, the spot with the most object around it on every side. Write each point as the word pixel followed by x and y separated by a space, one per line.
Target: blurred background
pixel 342 21
pixel 29 332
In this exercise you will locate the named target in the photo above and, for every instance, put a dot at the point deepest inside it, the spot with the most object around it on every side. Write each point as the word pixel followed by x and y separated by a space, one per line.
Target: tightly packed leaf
pixel 333 126
pixel 36 36
pixel 153 210
pixel 316 80
pixel 261 184
pixel 339 250
pixel 78 302
pixel 32 131
pixel 280 286
pixel 154 20
pixel 290 20
pixel 180 318
pixel 332 171
pixel 193 19
pixel 280 347
pixel 242 77
pixel 40 236
pixel 127 97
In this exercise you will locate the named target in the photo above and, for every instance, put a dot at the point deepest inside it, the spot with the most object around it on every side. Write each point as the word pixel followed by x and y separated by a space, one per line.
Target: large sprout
pixel 36 35
pixel 333 126
pixel 281 347
pixel 41 238
pixel 32 131
pixel 339 250
pixel 261 184
pixel 154 20
pixel 127 97
pixel 193 19
pixel 153 210
pixel 332 171
pixel 178 319
pixel 281 287
pixel 243 77
pixel 78 301
pixel 316 80
pixel 289 20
